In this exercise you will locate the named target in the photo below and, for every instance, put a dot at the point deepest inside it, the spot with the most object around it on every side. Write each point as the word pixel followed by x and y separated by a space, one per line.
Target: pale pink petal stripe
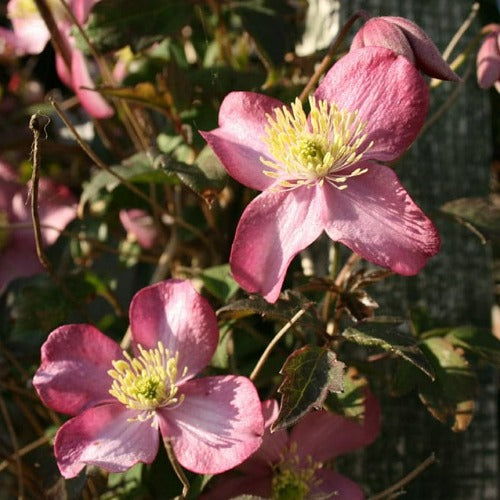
pixel 274 227
pixel 376 218
pixel 73 373
pixel 218 425
pixel 104 436
pixel 388 91
pixel 238 142
pixel 175 314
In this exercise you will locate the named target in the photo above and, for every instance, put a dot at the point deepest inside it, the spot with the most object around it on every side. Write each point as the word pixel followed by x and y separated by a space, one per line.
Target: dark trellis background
pixel 451 160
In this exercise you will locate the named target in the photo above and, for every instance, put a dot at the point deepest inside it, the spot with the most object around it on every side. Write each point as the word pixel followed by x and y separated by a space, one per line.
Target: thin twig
pixel 408 478
pixel 23 451
pixel 273 342
pixel 460 32
pixel 177 469
pixel 13 438
pixel 328 59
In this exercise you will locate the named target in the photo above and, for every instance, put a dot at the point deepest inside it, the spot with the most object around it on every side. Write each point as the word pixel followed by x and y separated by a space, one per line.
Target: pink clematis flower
pixel 57 207
pixel 30 35
pixel 119 402
pixel 488 59
pixel 292 465
pixel 140 225
pixel 406 39
pixel 322 173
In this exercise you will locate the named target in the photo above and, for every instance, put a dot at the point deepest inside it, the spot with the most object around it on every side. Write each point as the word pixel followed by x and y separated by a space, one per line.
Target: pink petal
pixel 488 61
pixel 140 224
pixel 217 426
pixel 389 93
pixel 230 486
pixel 336 485
pixel 427 55
pixel 379 32
pixel 175 314
pixel 63 71
pixel 73 374
pixel 82 8
pixel 91 100
pixel 273 444
pixel 376 218
pixel 103 436
pixel 274 227
pixel 238 140
pixel 31 32
pixel 324 435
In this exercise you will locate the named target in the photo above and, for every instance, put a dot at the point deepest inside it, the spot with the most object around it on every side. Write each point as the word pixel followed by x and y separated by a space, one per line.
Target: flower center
pixel 309 150
pixel 23 9
pixel 293 479
pixel 148 381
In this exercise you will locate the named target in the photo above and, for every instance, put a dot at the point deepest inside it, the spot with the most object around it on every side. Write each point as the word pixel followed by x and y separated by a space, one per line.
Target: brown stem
pixel 177 469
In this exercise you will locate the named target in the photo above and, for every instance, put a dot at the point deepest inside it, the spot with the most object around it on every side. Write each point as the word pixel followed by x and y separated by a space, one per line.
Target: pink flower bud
pixel 407 39
pixel 488 60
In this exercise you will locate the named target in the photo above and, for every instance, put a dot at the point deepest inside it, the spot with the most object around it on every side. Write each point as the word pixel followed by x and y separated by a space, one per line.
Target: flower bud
pixel 488 60
pixel 407 39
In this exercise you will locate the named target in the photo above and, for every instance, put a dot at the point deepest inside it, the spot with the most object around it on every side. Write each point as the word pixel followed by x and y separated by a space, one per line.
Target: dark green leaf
pixel 482 215
pixel 219 282
pixel 114 24
pixel 310 374
pixel 450 398
pixel 479 341
pixel 383 336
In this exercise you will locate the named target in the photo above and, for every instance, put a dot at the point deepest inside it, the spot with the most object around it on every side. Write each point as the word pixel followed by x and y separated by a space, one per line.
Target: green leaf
pixel 113 24
pixel 351 401
pixel 481 215
pixel 219 282
pixel 310 374
pixel 207 177
pixel 450 398
pixel 138 168
pixel 479 341
pixel 385 336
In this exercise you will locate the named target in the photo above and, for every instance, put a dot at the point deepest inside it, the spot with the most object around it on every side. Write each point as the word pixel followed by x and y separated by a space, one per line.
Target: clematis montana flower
pixel 140 226
pixel 406 39
pixel 30 35
pixel 57 207
pixel 488 59
pixel 121 403
pixel 322 173
pixel 298 464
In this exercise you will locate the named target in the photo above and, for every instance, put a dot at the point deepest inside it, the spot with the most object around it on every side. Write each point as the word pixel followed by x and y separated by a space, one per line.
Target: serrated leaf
pixel 206 177
pixel 219 282
pixel 310 374
pixel 479 341
pixel 114 24
pixel 388 338
pixel 450 398
pixel 136 169
pixel 482 213
pixel 282 310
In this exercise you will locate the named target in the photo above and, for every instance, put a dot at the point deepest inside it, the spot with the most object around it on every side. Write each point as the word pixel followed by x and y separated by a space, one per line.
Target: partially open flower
pixel 121 403
pixel 488 59
pixel 57 207
pixel 298 464
pixel 140 226
pixel 323 171
pixel 407 39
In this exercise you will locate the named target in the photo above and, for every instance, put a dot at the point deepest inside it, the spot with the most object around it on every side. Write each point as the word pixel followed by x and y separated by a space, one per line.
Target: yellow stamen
pixel 148 381
pixel 314 149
